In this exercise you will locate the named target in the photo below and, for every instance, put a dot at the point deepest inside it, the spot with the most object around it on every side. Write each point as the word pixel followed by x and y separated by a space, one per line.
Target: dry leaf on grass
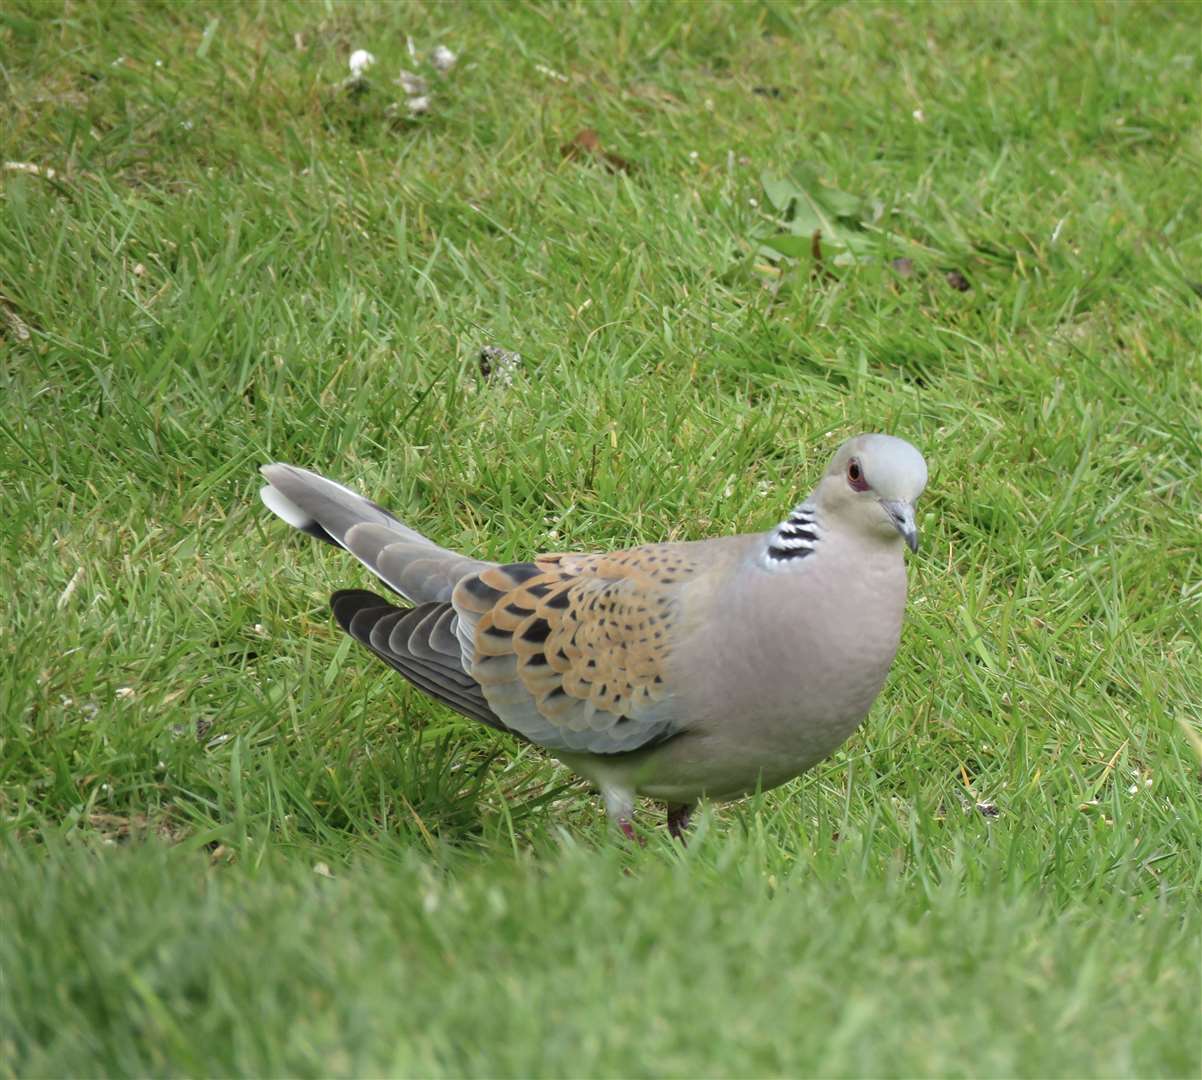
pixel 957 281
pixel 587 144
pixel 118 828
pixel 15 323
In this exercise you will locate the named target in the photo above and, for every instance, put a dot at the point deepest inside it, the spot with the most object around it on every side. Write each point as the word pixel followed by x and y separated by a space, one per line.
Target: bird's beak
pixel 902 515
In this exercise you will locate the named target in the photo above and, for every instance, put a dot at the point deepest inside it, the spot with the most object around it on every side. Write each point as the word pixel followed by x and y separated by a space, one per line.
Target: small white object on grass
pixel 30 168
pixel 443 59
pixel 64 597
pixel 413 85
pixel 360 61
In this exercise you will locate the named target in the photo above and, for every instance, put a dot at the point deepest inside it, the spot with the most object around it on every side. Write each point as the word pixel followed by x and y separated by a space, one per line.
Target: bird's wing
pixel 420 642
pixel 572 650
pixel 568 651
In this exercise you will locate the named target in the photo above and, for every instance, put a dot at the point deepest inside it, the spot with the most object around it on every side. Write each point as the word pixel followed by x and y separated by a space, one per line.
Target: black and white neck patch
pixel 794 538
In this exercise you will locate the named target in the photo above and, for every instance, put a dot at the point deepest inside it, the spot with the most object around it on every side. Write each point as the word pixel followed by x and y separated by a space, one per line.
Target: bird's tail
pixel 401 557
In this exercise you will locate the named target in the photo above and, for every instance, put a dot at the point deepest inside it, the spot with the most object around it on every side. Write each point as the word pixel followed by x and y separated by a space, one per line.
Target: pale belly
pixel 727 757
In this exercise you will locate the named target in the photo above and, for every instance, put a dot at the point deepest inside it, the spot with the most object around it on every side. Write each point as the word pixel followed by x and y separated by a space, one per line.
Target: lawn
pixel 233 844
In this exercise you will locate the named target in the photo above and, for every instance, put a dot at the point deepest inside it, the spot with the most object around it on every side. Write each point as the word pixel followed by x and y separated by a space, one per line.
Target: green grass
pixel 238 262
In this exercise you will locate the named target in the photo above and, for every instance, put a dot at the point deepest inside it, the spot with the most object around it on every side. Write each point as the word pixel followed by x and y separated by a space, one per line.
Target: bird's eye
pixel 855 476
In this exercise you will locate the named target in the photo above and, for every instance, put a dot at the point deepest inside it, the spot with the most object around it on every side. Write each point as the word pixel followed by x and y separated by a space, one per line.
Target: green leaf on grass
pixel 779 192
pixel 795 247
pixel 807 206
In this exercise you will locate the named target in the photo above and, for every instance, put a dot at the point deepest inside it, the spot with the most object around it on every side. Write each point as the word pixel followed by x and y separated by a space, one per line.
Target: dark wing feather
pixel 420 643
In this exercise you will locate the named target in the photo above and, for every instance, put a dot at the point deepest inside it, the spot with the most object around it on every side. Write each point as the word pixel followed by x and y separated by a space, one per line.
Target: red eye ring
pixel 855 476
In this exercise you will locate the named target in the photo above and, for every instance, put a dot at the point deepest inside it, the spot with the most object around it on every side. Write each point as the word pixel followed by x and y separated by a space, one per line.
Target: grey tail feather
pixel 322 508
pixel 402 558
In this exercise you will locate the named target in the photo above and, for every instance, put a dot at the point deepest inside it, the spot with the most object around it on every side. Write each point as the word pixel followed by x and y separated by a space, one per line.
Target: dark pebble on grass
pixel 957 281
pixel 497 363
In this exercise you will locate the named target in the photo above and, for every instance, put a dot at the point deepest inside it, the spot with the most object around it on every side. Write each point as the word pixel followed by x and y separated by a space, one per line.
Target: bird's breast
pixel 790 662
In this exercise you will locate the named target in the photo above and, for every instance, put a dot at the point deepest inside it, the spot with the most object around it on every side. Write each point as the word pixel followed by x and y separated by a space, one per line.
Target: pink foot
pixel 628 831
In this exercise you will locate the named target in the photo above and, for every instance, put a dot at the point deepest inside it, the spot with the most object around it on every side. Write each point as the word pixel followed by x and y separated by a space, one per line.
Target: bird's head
pixel 872 484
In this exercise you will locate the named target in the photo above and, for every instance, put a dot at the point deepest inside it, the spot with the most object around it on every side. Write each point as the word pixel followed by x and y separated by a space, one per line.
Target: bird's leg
pixel 678 820
pixel 627 827
pixel 619 805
